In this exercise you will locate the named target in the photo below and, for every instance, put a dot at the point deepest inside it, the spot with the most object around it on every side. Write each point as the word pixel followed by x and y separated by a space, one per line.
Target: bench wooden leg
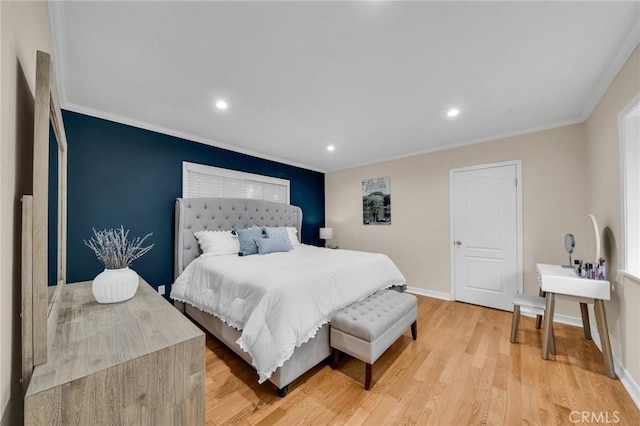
pixel 367 377
pixel 335 359
pixel 414 330
pixel 514 323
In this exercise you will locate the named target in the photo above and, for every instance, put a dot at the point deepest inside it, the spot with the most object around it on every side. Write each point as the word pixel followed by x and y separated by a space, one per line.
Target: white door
pixel 485 229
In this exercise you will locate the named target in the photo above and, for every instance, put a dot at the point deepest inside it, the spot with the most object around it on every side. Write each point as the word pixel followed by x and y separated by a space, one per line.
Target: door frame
pixel 519 232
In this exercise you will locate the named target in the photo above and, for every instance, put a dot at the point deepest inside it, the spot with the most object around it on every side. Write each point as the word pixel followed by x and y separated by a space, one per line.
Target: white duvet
pixel 280 300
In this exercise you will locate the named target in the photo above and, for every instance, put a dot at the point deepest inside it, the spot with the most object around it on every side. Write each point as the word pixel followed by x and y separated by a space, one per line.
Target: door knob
pixel 458 242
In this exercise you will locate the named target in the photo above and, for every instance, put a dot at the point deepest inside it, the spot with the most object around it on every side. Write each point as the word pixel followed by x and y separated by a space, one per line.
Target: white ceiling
pixel 373 78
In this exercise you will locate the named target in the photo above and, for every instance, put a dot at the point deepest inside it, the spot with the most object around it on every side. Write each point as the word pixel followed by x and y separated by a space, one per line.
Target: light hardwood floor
pixel 461 370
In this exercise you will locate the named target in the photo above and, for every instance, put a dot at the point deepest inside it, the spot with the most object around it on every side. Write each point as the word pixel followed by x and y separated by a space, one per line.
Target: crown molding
pixel 454 145
pixel 626 49
pixel 69 106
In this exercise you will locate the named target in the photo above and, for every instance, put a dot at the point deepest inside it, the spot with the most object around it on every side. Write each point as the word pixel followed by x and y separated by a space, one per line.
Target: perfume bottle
pixel 603 269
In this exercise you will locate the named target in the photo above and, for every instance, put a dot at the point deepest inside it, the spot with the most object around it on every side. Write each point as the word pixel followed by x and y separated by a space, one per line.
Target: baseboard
pixel 627 381
pixel 428 293
pixel 625 377
pixel 633 389
pixel 562 319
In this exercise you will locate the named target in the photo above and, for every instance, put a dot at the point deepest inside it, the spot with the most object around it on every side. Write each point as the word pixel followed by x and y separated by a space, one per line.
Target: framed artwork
pixel 376 201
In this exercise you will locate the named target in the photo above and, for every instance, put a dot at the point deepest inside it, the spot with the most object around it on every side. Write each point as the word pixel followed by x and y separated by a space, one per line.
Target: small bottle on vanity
pixel 584 270
pixel 603 269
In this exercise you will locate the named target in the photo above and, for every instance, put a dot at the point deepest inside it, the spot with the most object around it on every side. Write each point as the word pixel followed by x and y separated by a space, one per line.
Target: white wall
pixel 567 172
pixel 553 168
pixel 603 162
pixel 24 28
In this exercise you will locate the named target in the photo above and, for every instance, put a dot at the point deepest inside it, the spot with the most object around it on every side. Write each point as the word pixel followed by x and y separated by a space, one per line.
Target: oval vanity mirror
pixel 569 245
pixel 591 239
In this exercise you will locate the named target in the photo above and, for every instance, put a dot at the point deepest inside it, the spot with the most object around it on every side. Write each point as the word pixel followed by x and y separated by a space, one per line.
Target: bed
pixel 271 309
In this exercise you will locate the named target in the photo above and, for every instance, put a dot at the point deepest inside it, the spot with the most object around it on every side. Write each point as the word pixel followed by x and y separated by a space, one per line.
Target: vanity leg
pixel 548 325
pixel 539 317
pixel 585 321
pixel 552 344
pixel 603 330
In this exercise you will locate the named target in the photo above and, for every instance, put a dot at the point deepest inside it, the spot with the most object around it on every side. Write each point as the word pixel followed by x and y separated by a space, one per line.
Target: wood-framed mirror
pixel 39 300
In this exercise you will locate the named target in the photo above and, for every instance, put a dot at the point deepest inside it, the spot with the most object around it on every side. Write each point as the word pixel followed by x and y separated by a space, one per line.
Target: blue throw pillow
pixel 247 238
pixel 279 232
pixel 271 245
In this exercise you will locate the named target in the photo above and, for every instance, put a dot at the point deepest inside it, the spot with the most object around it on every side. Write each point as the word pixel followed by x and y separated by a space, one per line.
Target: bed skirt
pixel 303 359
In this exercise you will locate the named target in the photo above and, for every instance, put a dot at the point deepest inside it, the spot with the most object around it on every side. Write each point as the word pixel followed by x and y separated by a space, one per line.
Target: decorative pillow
pixel 279 232
pixel 293 236
pixel 216 243
pixel 247 238
pixel 272 245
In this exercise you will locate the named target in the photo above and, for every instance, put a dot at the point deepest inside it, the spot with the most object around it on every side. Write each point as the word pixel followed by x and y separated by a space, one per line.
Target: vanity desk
pixel 135 362
pixel 564 282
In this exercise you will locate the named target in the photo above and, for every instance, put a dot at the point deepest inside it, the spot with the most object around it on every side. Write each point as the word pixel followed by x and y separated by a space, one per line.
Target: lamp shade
pixel 326 233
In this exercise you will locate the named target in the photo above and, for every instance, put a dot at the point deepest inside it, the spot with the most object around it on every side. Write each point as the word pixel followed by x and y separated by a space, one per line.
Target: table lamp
pixel 326 234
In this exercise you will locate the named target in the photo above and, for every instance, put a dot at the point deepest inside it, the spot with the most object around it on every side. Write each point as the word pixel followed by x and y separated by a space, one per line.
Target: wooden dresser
pixel 129 363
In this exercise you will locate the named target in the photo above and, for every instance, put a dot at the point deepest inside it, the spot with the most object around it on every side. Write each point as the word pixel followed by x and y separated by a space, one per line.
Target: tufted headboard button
pixel 193 216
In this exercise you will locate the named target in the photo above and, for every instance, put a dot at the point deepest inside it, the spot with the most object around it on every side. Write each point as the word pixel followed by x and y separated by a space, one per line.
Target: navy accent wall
pixel 123 175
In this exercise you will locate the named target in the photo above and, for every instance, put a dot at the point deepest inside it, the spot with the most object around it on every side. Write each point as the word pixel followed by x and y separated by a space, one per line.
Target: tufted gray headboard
pixel 224 214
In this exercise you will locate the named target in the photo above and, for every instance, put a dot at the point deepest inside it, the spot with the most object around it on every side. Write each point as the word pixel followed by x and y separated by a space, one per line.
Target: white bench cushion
pixel 530 304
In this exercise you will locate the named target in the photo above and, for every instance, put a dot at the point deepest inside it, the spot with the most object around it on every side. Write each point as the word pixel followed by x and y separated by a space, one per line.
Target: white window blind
pixel 207 181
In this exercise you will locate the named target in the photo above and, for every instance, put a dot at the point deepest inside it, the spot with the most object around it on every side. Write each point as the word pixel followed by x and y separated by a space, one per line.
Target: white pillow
pixel 293 235
pixel 216 243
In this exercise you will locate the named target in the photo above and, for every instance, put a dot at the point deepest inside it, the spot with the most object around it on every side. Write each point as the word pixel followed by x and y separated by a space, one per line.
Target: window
pixel 629 121
pixel 206 181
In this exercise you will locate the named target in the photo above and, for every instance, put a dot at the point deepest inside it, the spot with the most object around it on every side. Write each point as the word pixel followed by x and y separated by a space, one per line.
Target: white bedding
pixel 280 300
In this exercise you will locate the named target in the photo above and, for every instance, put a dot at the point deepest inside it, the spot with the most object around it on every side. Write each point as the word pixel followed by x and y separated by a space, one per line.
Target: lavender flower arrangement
pixel 113 248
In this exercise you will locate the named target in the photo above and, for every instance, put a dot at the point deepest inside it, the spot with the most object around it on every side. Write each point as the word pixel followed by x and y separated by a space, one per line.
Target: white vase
pixel 115 285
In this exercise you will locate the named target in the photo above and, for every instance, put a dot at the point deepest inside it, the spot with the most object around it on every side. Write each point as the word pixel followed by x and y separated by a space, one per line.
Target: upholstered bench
pixel 369 327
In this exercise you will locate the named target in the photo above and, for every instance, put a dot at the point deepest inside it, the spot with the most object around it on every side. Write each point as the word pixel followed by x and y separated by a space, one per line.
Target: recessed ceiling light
pixel 453 112
pixel 331 148
pixel 221 105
